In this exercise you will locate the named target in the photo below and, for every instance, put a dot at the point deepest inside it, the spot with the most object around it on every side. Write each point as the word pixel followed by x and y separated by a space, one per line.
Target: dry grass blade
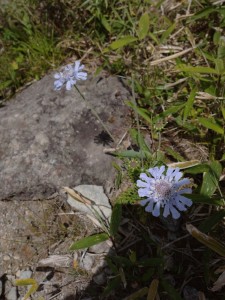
pixel 152 292
pixel 219 283
pixel 78 196
pixel 206 240
pixel 161 60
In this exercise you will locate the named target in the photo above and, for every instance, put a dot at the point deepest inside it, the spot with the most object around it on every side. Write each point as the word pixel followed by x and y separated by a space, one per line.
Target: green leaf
pixel 25 282
pixel 171 292
pixel 221 48
pixel 122 42
pixel 203 13
pixel 197 198
pixel 199 168
pixel 167 33
pixel 211 125
pixel 208 224
pixel 115 219
pixel 112 285
pixel 89 241
pixel 201 70
pixel 172 110
pixel 139 139
pixel 106 24
pixel 141 111
pixel 138 294
pixel 223 111
pixel 211 179
pixel 132 154
pixel 174 154
pixel 206 240
pixel 143 28
pixel 189 104
pixel 150 262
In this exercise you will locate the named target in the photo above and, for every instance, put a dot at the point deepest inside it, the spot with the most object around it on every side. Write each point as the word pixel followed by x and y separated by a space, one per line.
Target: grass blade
pixel 211 125
pixel 189 104
pixel 143 27
pixel 89 241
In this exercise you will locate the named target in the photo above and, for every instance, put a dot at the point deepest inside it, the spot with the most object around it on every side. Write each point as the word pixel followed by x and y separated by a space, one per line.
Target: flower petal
pixel 68 85
pixel 144 192
pixel 141 183
pixel 180 205
pixel 184 181
pixel 82 76
pixel 144 202
pixel 58 84
pixel 145 177
pixel 149 207
pixel 57 75
pixel 184 200
pixel 166 211
pixel 175 213
pixel 76 66
pixel 185 191
pixel 156 210
pixel 157 171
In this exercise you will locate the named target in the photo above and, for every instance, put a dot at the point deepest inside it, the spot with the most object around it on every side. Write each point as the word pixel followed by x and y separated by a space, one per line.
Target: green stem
pixel 94 113
pixel 137 121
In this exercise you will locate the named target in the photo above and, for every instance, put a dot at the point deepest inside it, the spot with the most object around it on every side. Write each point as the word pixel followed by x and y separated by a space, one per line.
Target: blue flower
pixel 69 76
pixel 164 190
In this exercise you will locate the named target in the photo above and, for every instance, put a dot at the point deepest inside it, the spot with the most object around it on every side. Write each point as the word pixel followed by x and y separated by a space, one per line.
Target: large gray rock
pixel 49 139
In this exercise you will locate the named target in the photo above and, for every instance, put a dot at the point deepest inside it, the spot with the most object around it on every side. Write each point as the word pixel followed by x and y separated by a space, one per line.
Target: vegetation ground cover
pixel 172 55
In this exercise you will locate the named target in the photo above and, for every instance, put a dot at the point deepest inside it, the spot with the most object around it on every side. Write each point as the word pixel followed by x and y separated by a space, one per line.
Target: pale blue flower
pixel 164 191
pixel 69 76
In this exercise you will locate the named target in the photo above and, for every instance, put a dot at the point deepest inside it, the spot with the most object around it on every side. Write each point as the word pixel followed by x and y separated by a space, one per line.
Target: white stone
pixel 97 195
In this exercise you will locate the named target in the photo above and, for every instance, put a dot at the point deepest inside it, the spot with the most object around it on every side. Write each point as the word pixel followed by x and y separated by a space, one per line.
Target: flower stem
pixel 95 113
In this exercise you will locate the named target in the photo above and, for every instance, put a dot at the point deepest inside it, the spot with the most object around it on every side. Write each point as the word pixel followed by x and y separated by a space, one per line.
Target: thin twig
pixel 177 240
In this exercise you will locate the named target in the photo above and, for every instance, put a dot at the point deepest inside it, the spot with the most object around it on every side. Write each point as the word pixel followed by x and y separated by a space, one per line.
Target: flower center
pixel 163 190
pixel 68 72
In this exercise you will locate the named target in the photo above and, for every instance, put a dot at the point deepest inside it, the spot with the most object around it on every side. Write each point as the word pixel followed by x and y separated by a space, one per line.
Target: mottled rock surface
pixel 50 139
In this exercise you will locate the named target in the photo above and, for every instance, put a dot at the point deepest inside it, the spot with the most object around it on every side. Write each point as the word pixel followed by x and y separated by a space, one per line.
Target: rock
pixel 50 139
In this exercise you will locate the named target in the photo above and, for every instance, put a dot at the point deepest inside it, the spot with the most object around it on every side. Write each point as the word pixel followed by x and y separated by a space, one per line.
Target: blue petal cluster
pixel 163 190
pixel 69 76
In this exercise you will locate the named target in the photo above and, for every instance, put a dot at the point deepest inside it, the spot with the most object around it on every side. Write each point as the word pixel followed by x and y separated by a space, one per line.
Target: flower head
pixel 164 190
pixel 69 76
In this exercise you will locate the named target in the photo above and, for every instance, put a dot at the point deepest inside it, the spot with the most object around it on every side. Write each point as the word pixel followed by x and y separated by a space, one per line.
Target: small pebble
pixel 12 295
pixel 6 257
pixel 100 278
pixel 25 274
pixel 87 262
pixel 18 273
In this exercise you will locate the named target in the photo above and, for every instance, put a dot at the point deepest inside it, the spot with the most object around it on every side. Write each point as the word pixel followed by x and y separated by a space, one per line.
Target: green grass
pixel 179 106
